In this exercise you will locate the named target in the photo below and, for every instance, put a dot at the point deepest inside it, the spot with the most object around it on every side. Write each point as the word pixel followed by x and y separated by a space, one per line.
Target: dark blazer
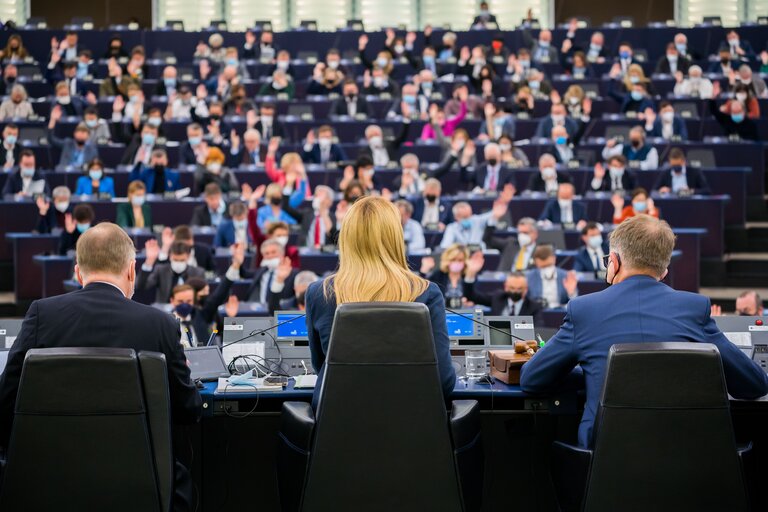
pixel 74 109
pixel 187 154
pixel 627 181
pixel 695 178
pixel 278 130
pixel 749 53
pixel 584 263
pixel 552 212
pixel 544 128
pixel 477 178
pixel 171 178
pixel 498 301
pixel 68 241
pixel 125 218
pixel 678 128
pixel 254 291
pixel 663 67
pixel 444 208
pixel 508 247
pixel 202 217
pixel 4 154
pixel 100 316
pixel 51 220
pixel 243 157
pixel 392 147
pixel 339 106
pixel 68 147
pixel 638 309
pixel 161 278
pixel 536 286
pixel 129 155
pixel 320 314
pixel 204 315
pixel 747 129
pixel 536 182
pixel 225 234
pixel 14 183
pixel 484 19
pixel 312 156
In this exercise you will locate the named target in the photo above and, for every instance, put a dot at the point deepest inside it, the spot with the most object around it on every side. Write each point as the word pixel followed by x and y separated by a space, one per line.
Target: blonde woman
pixel 449 276
pixel 291 172
pixel 373 268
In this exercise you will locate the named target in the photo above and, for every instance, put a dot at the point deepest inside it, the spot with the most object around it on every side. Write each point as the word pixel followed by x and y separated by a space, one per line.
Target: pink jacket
pixel 449 126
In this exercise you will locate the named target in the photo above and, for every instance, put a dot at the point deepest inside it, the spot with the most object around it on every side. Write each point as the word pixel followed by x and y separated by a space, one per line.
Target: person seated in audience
pixel 136 212
pixel 577 104
pixel 69 47
pixel 511 155
pixel 680 179
pixel 195 150
pixel 518 66
pixel 157 176
pixel 266 123
pixel 516 252
pixel 99 130
pixel 681 43
pixel 696 85
pixel 636 101
pixel 667 124
pixel 322 228
pixel 523 102
pixel 116 82
pixel 413 234
pixel 745 76
pixel 594 50
pixel 590 256
pixel 377 82
pixel 291 172
pixel 231 59
pixel 139 150
pixel 410 105
pixel 562 147
pixel 362 174
pixel 200 254
pixel 724 65
pixel 634 75
pixel 163 277
pixel 52 218
pixel 466 228
pixel 66 72
pixel 383 152
pixel 617 179
pixel 247 152
pixel 735 124
pixel 351 103
pixel 321 149
pixel 672 62
pixel 484 18
pixel 641 204
pixel 274 276
pixel 213 211
pixel 579 68
pixel 557 117
pixel 742 93
pixel 212 170
pixel 429 62
pixel 14 50
pixel 237 104
pixel 737 48
pixel 94 183
pixel 564 210
pixel 76 151
pixel 16 106
pixel 638 153
pixel 10 148
pixel 272 211
pixel 298 301
pixel 749 303
pixel 538 84
pixel 490 177
pixel 168 83
pixel 214 50
pixel 449 274
pixel 235 229
pixel 511 301
pixel 497 123
pixel 281 85
pixel 133 109
pixel 427 87
pixel 542 50
pixel 75 224
pixel 548 178
pixel 21 184
pixel 383 61
pixel 264 50
pixel 430 209
pixel 333 61
pixel 325 81
pixel 460 96
pixel 625 62
pixel 498 52
pixel 283 63
pixel 410 182
pixel 10 74
pixel 439 126
pixel 548 284
pixel 183 105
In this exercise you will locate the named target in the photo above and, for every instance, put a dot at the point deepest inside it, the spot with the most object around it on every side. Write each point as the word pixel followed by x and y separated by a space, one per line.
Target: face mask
pixel 96 174
pixel 616 172
pixel 573 100
pixel 64 100
pixel 275 201
pixel 595 241
pixel 514 296
pixel 429 60
pixel 635 143
pixel 466 224
pixel 534 84
pixel 138 200
pixel 639 206
pixel 148 139
pixel 525 64
pixel 11 139
pixel 382 62
pixel 324 142
pixel 624 54
pixel 231 62
pixel 154 121
pixel 410 99
pixel 178 267
pixel 456 266
pixel 565 203
pixel 741 96
pixel 548 173
pixel 431 198
pixel 27 172
pixel 733 42
pixel 492 162
pixel 672 57
pixel 170 83
pixel 376 141
pixel 558 118
pixel 283 65
pixel 524 239
pixel 333 64
pixel 62 206
pixel 90 123
pixel 681 47
pixel 634 79
pixel 369 173
pixel 561 141
pixel 316 203
pixel 484 12
pixel 271 263
pixel 82 228
pixel 214 167
pixel 399 48
pixel 737 118
pixel 695 79
pixel 544 44
pixel 194 141
pixel 505 147
pixel 183 309
pixel 282 240
pixel 133 99
pixel 637 95
pixel 667 117
pixel 240 224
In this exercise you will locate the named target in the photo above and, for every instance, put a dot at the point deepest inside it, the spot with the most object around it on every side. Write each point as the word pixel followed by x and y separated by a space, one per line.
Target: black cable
pixel 239 415
pixel 263 331
pixel 484 324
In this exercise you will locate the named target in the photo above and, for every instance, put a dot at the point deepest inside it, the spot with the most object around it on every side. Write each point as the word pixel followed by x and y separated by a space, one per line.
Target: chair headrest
pixel 381 333
pixel 664 375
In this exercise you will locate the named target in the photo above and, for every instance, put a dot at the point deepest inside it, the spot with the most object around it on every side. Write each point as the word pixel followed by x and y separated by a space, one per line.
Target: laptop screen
pixel 206 363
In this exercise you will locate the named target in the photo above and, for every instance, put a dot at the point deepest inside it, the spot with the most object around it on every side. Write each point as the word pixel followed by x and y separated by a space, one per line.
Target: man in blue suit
pixel 636 308
pixel 429 209
pixel 157 177
pixel 548 284
pixel 590 258
pixel 564 210
pixel 323 151
pixel 234 229
pixel 667 124
pixel 558 116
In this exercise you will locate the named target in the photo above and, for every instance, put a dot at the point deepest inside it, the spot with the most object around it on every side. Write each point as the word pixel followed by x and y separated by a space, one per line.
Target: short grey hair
pixel 305 278
pixel 644 243
pixel 409 157
pixel 61 191
pixel 105 248
pixel 271 241
pixel 458 206
pixel 528 221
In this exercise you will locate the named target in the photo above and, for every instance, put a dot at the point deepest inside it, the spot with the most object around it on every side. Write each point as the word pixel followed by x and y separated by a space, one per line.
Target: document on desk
pixel 251 385
pixel 305 382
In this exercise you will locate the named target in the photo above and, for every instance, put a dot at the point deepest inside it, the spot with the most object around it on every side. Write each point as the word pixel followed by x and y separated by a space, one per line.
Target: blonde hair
pixel 372 262
pixel 450 254
pixel 638 69
pixel 289 159
pixel 135 186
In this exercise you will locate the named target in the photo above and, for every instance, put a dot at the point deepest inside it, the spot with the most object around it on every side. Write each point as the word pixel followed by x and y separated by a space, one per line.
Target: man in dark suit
pixel 101 314
pixel 76 151
pixel 429 209
pixel 558 116
pixel 322 149
pixel 672 62
pixel 667 124
pixel 511 301
pixel 548 179
pixel 484 18
pixel 168 83
pixel 20 183
pixel 516 252
pixel 246 153
pixel 192 151
pixel 275 276
pixel 213 211
pixel 590 257
pixel 164 276
pixel 564 210
pixel 491 176
pixel 351 103
pixel 680 179
pixel 157 176
pixel 617 178
pixel 139 149
pixel 267 125
pixel 737 123
pixel 10 149
pixel 200 254
pixel 382 152
pixel 636 308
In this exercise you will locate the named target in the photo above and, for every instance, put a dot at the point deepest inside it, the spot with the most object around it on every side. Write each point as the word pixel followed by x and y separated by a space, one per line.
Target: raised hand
pixel 362 42
pixel 69 223
pixel 311 139
pixel 617 200
pixel 475 264
pixel 250 37
pixel 246 190
pixel 283 270
pixel 251 118
pixel 274 144
pixel 232 306
pixel 118 105
pixel 600 174
pixel 238 254
pixel 571 283
pixel 234 139
pixel 427 264
pixel 151 251
pixel 508 192
pixel 464 54
pixel 499 209
pixel 42 205
pixel 166 238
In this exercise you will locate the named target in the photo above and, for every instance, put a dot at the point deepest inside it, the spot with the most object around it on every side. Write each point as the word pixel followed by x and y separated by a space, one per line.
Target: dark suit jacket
pixel 498 301
pixel 480 19
pixel 51 220
pixel 207 313
pixel 278 130
pixel 14 183
pixel 627 181
pixel 161 278
pixel 202 217
pixel 695 178
pixel 254 291
pixel 663 67
pixel 747 129
pixel 536 182
pixel 339 106
pixel 444 208
pixel 4 154
pixel 74 109
pixel 477 178
pixel 130 151
pixel 312 156
pixel 508 247
pixel 631 311
pixel 584 263
pixel 171 178
pixel 125 218
pixel 225 234
pixel 392 147
pixel 544 128
pixel 552 212
pixel 99 316
pixel 678 128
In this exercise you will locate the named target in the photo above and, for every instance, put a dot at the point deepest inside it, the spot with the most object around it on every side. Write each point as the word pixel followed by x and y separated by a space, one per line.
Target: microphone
pixel 485 325
pixel 262 331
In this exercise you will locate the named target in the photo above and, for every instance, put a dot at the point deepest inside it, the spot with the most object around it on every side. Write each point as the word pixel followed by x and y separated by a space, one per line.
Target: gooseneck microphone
pixel 485 325
pixel 262 331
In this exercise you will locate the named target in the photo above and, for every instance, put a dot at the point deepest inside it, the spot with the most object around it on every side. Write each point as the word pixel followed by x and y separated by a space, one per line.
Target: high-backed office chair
pixel 91 431
pixel 381 439
pixel 663 437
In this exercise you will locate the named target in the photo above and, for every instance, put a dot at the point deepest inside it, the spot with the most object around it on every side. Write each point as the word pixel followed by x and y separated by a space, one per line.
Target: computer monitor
pixel 291 326
pixel 462 330
pixel 744 331
pixel 519 326
pixel 9 329
pixel 238 327
pixel 206 363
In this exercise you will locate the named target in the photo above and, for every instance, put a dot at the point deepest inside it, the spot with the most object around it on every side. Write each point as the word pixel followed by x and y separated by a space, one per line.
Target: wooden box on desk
pixel 506 364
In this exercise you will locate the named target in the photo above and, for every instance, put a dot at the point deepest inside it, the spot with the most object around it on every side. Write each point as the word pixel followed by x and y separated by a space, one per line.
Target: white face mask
pixel 271 263
pixel 548 173
pixel 616 172
pixel 282 240
pixel 376 141
pixel 324 142
pixel 178 266
pixel 564 203
pixel 214 167
pixel 524 239
pixel 62 206
pixel 316 203
pixel 741 96
pixel 667 117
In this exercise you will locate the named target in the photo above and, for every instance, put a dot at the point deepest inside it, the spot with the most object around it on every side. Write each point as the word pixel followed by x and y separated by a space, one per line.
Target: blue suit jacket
pixel 536 288
pixel 320 313
pixel 225 235
pixel 678 128
pixel 445 215
pixel 583 263
pixel 638 309
pixel 313 156
pixel 147 175
pixel 552 212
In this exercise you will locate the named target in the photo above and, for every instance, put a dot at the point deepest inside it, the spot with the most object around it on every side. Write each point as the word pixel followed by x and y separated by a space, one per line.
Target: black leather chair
pixel 663 437
pixel 381 438
pixel 91 431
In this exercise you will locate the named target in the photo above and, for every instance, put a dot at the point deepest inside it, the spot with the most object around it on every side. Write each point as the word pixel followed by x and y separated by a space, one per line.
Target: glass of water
pixel 474 361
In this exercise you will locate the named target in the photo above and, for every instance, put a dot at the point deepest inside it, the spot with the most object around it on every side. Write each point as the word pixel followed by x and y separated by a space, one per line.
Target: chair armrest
pixel 465 423
pixel 297 424
pixel 570 468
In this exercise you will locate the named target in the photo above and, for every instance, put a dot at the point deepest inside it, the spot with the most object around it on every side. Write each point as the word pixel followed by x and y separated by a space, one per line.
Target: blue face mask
pixel 170 83
pixel 183 309
pixel 411 100
pixel 639 206
pixel 11 139
pixel 148 139
pixel 561 141
pixel 624 54
pixel 544 44
pixel 82 70
pixel 681 48
pixel 737 118
pixel 429 60
pixel 96 174
pixel 578 70
pixel 194 141
pixel 637 95
pixel 231 62
pixel 534 84
pixel 382 62
pixel 27 172
pixel 82 228
pixel 466 224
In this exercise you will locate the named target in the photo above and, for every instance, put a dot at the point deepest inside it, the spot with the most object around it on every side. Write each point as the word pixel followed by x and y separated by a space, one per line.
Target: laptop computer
pixel 206 363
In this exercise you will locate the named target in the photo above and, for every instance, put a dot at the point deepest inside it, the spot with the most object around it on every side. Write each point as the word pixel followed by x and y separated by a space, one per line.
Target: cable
pixel 239 415
pixel 484 324
pixel 263 331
